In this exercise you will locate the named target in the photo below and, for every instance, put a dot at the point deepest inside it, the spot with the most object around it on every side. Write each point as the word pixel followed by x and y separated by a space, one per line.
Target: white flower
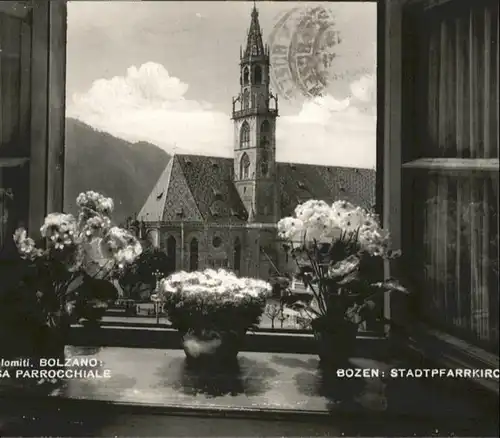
pixel 105 205
pixel 25 245
pixel 309 208
pixel 316 221
pixel 121 246
pixel 60 229
pixel 220 284
pixel 58 222
pixel 96 226
pixel 96 202
pixel 351 221
pixel 291 229
pixel 80 244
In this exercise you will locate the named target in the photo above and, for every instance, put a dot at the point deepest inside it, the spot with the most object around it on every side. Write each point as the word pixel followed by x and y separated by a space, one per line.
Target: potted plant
pixel 139 280
pixel 72 264
pixel 339 251
pixel 212 310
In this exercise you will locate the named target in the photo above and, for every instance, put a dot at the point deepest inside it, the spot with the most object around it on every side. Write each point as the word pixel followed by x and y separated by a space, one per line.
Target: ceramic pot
pixel 212 346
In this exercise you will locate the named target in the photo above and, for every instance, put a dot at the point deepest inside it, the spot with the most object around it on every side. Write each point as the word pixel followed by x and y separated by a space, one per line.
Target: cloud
pixel 319 110
pixel 148 104
pixel 331 131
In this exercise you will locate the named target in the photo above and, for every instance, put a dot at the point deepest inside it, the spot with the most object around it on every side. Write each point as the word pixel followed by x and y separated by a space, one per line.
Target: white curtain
pixel 460 209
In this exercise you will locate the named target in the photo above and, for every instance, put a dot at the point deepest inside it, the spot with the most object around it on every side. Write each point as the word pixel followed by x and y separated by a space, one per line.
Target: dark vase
pixel 33 339
pixel 53 337
pixel 335 340
pixel 211 346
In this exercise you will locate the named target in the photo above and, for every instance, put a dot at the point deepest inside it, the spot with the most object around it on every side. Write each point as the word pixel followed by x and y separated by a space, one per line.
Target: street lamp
pixel 155 297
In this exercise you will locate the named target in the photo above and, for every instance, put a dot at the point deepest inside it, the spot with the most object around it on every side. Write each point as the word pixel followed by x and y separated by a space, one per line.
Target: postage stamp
pixel 302 48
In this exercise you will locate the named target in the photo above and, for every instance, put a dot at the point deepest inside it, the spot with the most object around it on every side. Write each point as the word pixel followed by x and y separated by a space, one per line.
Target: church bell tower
pixel 255 110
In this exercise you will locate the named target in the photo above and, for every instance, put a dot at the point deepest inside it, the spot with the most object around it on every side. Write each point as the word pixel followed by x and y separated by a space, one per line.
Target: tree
pixel 140 278
pixel 93 297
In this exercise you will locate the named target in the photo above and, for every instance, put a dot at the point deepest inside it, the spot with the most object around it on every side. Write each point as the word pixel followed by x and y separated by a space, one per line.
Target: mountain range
pixel 124 171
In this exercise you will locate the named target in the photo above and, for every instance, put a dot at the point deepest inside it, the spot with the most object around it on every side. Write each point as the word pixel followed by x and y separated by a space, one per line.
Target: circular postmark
pixel 302 49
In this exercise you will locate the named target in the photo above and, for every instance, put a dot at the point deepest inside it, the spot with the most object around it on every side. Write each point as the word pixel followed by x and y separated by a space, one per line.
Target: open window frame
pixel 403 159
pixel 32 151
pixel 44 159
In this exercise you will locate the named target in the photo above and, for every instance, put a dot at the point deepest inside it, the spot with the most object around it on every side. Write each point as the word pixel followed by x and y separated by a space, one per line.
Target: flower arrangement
pixel 338 249
pixel 213 299
pixel 71 253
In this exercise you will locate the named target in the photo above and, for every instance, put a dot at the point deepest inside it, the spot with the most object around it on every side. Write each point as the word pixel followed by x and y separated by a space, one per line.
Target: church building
pixel 222 212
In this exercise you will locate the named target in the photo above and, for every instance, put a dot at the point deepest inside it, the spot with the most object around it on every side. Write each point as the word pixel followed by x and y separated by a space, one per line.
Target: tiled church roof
pixel 210 180
pixel 300 182
pixel 155 203
pixel 202 188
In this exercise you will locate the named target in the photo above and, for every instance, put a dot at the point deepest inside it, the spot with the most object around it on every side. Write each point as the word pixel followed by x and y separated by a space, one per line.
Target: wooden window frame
pixel 48 110
pixel 424 340
pixel 46 87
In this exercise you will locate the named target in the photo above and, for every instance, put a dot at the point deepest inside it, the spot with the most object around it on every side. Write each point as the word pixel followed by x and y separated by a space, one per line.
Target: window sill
pixel 266 386
pixel 150 336
pixel 112 320
pixel 454 164
pixel 443 349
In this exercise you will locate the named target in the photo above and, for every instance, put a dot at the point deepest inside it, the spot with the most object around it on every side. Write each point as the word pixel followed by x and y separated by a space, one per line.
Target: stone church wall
pixel 216 245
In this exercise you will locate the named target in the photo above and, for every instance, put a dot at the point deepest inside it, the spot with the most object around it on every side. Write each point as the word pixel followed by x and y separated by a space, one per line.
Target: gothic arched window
pixel 244 166
pixel 193 254
pixel 265 127
pixel 245 135
pixel 237 254
pixel 257 75
pixel 245 76
pixel 246 99
pixel 172 253
pixel 264 163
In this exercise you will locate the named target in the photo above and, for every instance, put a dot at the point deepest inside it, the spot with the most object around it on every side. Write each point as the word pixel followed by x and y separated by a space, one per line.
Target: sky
pixel 166 72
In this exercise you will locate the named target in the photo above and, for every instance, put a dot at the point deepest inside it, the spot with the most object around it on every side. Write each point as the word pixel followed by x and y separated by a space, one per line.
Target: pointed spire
pixel 255 46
